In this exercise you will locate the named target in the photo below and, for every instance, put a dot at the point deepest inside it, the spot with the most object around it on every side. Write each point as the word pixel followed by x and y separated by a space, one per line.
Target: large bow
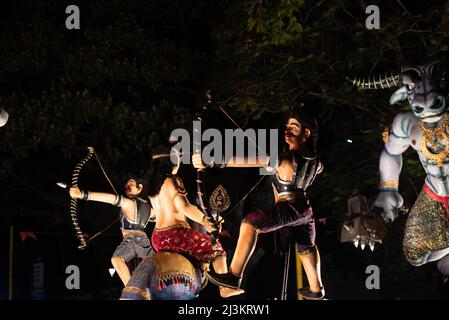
pixel 74 201
pixel 221 107
pixel 201 173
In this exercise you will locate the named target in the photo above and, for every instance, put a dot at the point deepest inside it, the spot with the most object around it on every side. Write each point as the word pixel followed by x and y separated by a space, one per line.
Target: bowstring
pixel 257 146
pixel 116 193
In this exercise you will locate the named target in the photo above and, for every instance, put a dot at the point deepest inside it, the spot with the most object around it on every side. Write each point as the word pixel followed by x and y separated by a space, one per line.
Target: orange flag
pixel 24 235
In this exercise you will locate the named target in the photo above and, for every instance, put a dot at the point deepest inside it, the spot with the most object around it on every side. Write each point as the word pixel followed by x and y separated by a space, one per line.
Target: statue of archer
pixel 173 236
pixel 296 171
pixel 135 213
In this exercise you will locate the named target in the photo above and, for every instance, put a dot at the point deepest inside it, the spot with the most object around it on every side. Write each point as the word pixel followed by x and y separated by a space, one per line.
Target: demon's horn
pixel 382 83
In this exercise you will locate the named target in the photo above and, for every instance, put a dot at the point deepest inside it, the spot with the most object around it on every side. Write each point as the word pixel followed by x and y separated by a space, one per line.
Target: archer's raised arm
pixel 103 197
pixel 234 162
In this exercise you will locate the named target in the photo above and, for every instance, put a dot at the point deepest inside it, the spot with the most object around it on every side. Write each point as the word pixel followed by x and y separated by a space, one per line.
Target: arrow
pixel 62 185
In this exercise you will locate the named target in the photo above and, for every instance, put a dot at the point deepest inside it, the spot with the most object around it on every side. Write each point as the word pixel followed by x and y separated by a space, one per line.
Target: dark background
pixel 138 69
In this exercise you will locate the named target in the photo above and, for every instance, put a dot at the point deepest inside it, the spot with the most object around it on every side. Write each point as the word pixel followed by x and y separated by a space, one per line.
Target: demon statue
pixel 426 129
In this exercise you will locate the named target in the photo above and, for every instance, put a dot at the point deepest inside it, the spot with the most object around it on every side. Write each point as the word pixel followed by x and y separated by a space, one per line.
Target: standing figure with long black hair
pixel 295 172
pixel 176 270
pixel 172 232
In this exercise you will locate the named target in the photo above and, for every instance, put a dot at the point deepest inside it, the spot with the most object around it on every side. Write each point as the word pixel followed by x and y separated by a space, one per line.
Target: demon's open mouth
pixel 429 115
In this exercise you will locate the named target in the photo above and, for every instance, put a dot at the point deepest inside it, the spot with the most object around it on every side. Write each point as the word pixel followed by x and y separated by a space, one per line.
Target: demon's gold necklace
pixel 436 139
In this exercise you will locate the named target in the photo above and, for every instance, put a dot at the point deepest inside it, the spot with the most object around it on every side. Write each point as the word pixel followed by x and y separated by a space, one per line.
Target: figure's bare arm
pixel 182 204
pixel 245 162
pixel 260 161
pixel 390 166
pixel 127 205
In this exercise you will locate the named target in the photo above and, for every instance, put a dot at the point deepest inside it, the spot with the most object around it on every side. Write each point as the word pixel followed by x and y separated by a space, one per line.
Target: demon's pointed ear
pixel 398 95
